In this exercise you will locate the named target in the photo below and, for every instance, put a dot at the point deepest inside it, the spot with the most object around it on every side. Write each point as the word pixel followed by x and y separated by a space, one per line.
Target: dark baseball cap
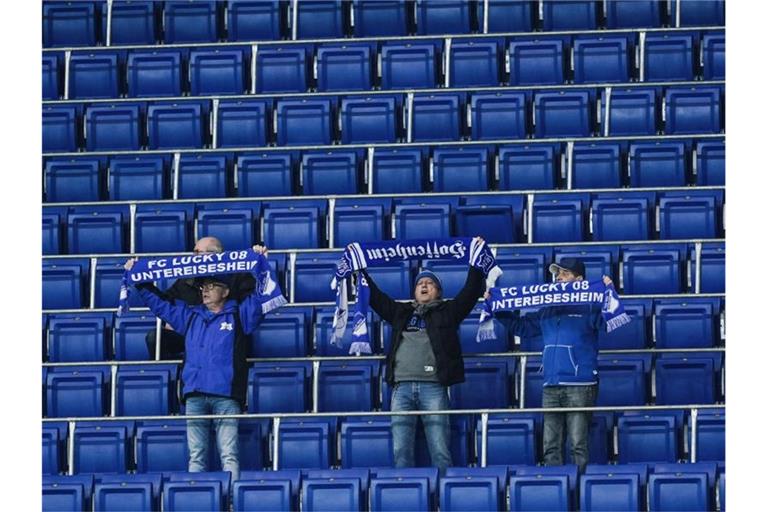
pixel 222 279
pixel 573 265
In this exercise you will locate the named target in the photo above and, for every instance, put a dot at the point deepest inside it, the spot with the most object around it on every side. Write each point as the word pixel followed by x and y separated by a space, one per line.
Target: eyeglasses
pixel 210 286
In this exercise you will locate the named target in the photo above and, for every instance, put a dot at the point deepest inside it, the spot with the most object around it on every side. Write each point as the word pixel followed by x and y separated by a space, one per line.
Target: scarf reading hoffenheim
pixel 200 265
pixel 358 256
pixel 551 294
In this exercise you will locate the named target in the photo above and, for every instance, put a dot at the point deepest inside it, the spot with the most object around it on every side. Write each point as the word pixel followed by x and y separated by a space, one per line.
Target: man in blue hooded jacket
pixel 569 359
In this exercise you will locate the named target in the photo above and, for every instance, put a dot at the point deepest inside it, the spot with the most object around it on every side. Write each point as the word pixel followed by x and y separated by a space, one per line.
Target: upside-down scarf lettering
pixel 359 256
pixel 200 265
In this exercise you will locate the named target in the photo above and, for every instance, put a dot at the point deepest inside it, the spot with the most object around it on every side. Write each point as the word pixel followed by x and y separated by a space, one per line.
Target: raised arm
pixel 466 300
pixel 250 308
pixel 175 314
pixel 519 325
pixel 381 303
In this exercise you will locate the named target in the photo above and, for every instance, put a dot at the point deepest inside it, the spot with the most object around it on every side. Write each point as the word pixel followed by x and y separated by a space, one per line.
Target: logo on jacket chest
pixel 416 323
pixel 225 326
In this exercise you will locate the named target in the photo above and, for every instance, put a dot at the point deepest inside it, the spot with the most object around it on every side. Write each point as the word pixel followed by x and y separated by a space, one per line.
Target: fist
pixel 607 280
pixel 129 264
pixel 260 249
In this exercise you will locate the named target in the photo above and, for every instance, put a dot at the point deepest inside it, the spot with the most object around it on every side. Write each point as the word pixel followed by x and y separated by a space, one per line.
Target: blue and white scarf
pixel 359 256
pixel 200 265
pixel 550 294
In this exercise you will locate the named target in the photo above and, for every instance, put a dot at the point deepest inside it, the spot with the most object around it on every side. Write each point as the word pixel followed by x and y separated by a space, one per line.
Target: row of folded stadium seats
pixel 85 23
pixel 688 322
pixel 382 119
pixel 634 486
pixel 536 166
pixel 656 437
pixel 553 60
pixel 357 386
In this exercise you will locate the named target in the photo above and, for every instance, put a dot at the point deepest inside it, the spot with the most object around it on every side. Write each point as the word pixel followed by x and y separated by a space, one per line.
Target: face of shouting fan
pixel 426 291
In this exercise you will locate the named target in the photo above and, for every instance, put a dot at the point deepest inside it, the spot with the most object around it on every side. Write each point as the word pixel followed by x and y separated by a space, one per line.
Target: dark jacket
pixel 570 340
pixel 215 344
pixel 442 326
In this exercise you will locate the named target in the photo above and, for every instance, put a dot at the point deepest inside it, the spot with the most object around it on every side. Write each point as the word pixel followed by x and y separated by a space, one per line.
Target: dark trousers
pixel 576 423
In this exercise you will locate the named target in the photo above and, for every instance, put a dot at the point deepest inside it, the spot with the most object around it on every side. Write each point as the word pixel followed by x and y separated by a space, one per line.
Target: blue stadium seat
pixel 51 77
pixel 242 124
pixel 647 438
pixel 304 121
pixel 507 15
pixel 344 67
pixel 54 441
pixel 69 24
pixel 176 125
pixel 469 493
pixel 653 269
pixel 366 443
pixel 366 119
pixel 559 218
pixel 570 15
pixel 282 68
pixel 77 337
pixel 627 216
pixel 60 128
pixel 678 491
pixel 669 57
pixel 494 222
pixel 94 229
pixel 623 379
pixel 710 435
pixel 406 65
pixel 563 114
pixel 460 169
pixel 486 386
pixel 443 17
pixel 282 334
pixel 498 115
pixel 102 447
pixel 131 492
pixel 163 228
pixel 329 172
pixel 401 493
pixel 422 220
pixel 93 75
pixel 657 164
pixel 222 478
pixel 73 179
pixel 190 22
pixel 528 167
pixel 596 165
pixel 341 494
pixel 601 59
pixel 248 21
pixel 713 56
pixel 712 268
pixel 598 260
pixel 693 110
pixel 685 380
pixel 145 390
pixel 138 177
pixel 130 331
pixel 232 223
pixel 193 496
pixel 694 214
pixel 475 62
pixel 709 163
pixel 347 385
pixel 203 176
pixel 610 492
pixel 511 439
pixel 293 225
pixel 62 496
pixel 537 61
pixel 161 446
pixel 397 170
pixel 264 174
pixel 290 476
pixel 534 381
pixel 313 273
pixel 639 469
pixel 630 112
pixel 63 283
pixel 132 23
pixel 323 18
pixel 113 127
pixel 380 18
pixel 569 471
pixel 437 117
pixel 633 14
pixel 278 387
pixel 523 265
pixel 410 475
pixel 218 71
pixel 396 280
pixel 634 335
pixel 154 73
pixel 78 391
pixel 261 495
pixel 306 444
pixel 696 13
pixel 687 323
pixel 498 472
pixel 109 273
pixel 361 220
pixel 494 205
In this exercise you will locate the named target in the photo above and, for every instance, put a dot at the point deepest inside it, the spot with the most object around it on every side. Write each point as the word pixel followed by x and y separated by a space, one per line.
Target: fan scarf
pixel 200 265
pixel 551 294
pixel 359 256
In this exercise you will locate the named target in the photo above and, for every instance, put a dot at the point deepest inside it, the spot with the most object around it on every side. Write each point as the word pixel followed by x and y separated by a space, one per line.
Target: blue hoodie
pixel 570 340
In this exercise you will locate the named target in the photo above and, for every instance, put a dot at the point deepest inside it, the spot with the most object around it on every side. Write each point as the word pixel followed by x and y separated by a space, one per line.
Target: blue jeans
pixel 421 396
pixel 577 423
pixel 226 433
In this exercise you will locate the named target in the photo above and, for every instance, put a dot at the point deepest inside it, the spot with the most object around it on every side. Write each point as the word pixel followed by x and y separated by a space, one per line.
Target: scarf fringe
pixel 617 321
pixel 360 347
pixel 486 331
pixel 273 304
